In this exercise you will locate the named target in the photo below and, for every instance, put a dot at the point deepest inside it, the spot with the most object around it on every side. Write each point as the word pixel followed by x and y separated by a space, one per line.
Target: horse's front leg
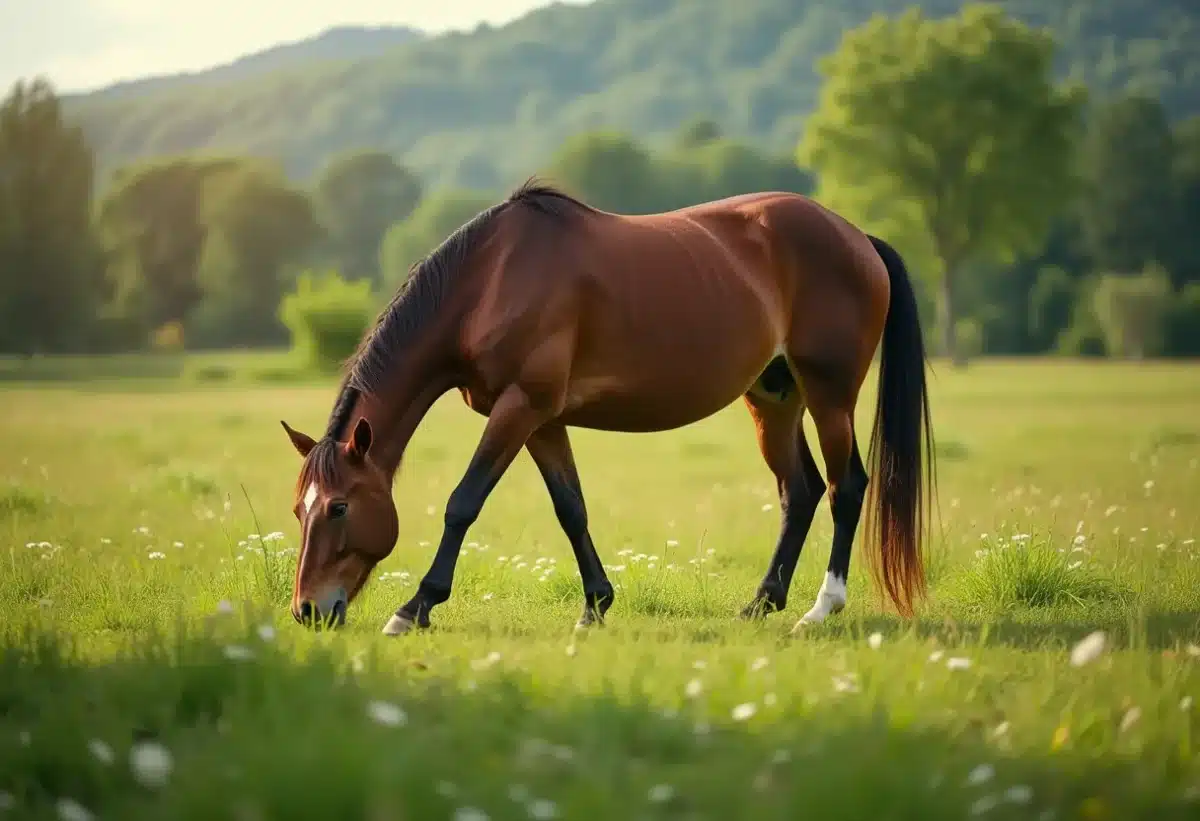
pixel 510 423
pixel 550 448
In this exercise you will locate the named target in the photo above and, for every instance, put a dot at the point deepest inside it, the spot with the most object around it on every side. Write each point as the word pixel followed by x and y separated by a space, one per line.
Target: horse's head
pixel 347 521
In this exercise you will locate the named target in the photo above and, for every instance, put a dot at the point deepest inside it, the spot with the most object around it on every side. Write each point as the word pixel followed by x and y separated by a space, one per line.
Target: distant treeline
pixel 1038 219
pixel 480 109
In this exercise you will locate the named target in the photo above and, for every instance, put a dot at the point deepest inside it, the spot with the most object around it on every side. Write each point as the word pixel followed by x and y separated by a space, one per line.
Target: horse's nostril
pixel 307 613
pixel 338 615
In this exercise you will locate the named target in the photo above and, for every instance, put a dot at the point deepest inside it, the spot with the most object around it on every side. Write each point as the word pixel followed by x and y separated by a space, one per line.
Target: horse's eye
pixel 337 510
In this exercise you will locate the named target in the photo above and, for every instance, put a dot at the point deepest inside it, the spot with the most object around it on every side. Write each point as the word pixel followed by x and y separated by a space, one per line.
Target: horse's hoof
pixel 398 625
pixel 757 610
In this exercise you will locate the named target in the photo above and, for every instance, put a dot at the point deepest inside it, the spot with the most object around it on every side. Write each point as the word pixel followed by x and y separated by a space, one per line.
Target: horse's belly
pixel 671 398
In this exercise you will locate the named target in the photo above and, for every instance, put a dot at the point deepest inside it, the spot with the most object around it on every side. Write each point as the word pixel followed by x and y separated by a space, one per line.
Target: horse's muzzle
pixel 310 615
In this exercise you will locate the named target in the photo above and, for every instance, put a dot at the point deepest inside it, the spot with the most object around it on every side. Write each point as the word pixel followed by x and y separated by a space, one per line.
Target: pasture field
pixel 149 550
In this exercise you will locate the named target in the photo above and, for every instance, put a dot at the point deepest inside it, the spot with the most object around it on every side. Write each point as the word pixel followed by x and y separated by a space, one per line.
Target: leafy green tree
pixel 434 219
pixel 257 227
pixel 1129 209
pixel 358 196
pixel 1185 262
pixel 51 273
pixel 697 132
pixel 1050 303
pixel 152 225
pixel 611 171
pixel 954 129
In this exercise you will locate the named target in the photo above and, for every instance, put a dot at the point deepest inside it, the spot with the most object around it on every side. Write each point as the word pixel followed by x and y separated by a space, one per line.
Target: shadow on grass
pixel 1152 630
pixel 261 732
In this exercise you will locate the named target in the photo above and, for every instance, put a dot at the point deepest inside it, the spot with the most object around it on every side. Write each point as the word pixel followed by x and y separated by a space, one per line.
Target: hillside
pixel 484 108
pixel 338 44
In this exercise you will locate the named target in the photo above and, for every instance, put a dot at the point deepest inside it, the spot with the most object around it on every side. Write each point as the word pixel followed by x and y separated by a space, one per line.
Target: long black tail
pixel 901 455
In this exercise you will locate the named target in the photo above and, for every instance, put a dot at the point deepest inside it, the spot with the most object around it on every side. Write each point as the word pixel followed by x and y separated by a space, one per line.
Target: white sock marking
pixel 310 496
pixel 831 599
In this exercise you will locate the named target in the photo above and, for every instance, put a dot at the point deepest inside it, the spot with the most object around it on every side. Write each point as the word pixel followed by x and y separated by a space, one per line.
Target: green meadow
pixel 150 668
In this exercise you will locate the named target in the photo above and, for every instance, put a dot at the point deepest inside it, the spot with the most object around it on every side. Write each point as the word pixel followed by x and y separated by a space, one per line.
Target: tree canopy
pixel 955 123
pixel 51 272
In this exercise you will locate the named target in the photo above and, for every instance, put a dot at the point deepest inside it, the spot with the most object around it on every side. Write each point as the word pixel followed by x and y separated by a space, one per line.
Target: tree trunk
pixel 948 317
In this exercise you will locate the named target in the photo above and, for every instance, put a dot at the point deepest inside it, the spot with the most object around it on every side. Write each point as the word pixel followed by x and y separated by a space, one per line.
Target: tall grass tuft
pixel 1035 574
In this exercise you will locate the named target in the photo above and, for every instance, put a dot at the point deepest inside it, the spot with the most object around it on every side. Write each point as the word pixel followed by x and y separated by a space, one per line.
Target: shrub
pixel 1132 311
pixel 1083 335
pixel 326 317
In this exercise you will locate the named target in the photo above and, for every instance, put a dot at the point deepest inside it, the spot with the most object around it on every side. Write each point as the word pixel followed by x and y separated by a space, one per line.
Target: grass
pixel 149 561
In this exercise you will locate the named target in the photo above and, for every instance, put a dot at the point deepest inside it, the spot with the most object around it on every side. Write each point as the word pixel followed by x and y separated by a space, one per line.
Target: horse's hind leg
pixel 832 410
pixel 551 451
pixel 798 480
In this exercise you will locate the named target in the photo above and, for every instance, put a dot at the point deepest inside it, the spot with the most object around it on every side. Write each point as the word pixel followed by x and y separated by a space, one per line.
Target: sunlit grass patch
pixel 1028 573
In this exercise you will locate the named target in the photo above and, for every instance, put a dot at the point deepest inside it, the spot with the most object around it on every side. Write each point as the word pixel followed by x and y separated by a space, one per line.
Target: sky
pixel 84 44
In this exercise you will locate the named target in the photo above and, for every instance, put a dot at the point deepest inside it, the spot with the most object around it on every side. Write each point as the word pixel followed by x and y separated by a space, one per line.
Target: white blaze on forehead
pixel 310 496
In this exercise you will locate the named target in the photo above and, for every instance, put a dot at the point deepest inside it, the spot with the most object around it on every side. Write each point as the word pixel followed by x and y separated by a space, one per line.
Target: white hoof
pixel 831 600
pixel 397 626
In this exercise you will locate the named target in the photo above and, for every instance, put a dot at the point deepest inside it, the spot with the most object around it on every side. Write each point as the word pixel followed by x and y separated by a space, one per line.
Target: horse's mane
pixel 422 294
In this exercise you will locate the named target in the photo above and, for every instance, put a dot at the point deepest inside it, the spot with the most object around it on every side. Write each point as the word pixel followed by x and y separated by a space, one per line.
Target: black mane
pixel 423 292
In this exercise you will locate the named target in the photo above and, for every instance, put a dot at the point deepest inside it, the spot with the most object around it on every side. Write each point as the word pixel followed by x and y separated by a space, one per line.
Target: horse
pixel 546 313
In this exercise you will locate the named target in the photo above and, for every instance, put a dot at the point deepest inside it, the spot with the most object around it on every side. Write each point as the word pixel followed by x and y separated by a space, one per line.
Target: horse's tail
pixel 901 448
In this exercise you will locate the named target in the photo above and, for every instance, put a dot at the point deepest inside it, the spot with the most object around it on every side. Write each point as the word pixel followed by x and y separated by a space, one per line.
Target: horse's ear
pixel 360 440
pixel 302 442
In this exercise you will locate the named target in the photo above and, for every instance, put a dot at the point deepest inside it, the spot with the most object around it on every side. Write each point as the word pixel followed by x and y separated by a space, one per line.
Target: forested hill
pixel 483 108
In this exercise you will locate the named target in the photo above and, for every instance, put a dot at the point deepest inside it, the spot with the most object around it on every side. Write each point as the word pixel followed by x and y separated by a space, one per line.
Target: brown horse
pixel 547 313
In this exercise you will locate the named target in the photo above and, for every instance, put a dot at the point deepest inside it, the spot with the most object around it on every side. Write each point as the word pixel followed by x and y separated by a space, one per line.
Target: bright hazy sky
pixel 83 44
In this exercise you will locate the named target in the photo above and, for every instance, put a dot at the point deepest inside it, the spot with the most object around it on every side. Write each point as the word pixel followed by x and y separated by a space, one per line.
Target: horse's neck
pixel 395 414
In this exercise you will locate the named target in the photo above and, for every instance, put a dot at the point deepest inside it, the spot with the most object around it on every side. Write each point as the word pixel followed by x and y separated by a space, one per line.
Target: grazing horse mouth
pixel 309 615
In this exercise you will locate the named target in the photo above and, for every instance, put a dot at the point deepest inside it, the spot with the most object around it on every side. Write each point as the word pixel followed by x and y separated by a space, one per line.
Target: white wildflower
pixel 1088 649
pixel 661 793
pixel 543 809
pixel 744 712
pixel 151 764
pixel 470 814
pixel 983 805
pixel 694 688
pixel 1018 794
pixel 875 640
pixel 101 751
pixel 69 809
pixel 1130 718
pixel 958 663
pixel 238 652
pixel 266 632
pixel 386 713
pixel 981 775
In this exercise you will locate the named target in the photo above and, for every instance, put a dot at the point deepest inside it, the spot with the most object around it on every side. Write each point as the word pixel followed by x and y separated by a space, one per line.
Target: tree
pixel 610 171
pixel 1185 264
pixel 358 196
pixel 952 128
pixel 154 233
pixel 1129 208
pixel 51 272
pixel 697 132
pixel 256 227
pixel 434 219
